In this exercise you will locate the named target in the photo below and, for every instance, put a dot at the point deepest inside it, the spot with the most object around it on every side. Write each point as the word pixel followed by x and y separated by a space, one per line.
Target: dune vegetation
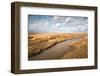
pixel 80 49
pixel 37 43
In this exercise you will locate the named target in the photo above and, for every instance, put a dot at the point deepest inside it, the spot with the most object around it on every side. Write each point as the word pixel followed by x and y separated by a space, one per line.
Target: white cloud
pixel 60 24
pixel 57 25
pixel 67 19
pixel 56 17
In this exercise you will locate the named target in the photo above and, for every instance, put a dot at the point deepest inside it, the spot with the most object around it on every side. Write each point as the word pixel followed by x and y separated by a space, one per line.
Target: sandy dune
pixel 56 51
pixel 57 46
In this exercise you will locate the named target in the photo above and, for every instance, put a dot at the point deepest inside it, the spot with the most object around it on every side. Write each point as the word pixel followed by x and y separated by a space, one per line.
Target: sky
pixel 63 24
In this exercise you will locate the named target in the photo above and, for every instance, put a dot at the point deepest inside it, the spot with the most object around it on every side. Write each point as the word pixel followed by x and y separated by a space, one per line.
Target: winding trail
pixel 56 51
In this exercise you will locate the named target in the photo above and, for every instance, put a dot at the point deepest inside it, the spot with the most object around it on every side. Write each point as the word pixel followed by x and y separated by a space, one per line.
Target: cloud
pixel 39 26
pixel 59 24
pixel 56 17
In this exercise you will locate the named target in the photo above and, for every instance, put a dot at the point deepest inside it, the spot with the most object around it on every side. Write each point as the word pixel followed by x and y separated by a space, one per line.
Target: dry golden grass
pixel 39 42
pixel 80 49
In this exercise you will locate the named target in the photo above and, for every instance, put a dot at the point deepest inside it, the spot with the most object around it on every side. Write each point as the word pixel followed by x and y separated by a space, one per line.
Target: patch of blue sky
pixel 67 24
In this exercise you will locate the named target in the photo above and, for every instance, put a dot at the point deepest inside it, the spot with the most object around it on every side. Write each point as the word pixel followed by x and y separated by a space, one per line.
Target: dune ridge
pixel 37 43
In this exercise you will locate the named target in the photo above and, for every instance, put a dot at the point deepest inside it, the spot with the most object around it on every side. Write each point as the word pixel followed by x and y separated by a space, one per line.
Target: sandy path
pixel 56 51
